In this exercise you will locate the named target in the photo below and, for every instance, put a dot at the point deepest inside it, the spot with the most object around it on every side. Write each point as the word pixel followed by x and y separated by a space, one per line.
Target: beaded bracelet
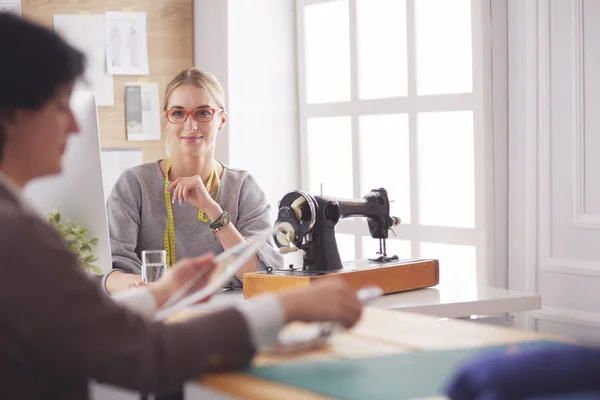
pixel 223 220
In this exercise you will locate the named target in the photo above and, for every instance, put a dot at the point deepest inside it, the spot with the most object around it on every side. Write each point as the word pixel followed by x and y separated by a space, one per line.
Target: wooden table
pixel 379 332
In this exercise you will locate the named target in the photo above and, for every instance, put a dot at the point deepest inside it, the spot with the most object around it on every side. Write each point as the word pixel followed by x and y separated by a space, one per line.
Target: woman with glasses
pixel 189 203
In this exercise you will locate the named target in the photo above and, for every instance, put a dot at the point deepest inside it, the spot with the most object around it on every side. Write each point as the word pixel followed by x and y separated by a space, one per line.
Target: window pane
pixel 457 267
pixel 443 46
pixel 446 175
pixel 345 243
pixel 400 248
pixel 327 52
pixel 378 134
pixel 330 156
pixel 381 37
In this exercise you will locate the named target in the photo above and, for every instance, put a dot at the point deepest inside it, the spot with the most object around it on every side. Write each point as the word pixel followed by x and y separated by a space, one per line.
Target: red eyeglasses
pixel 179 116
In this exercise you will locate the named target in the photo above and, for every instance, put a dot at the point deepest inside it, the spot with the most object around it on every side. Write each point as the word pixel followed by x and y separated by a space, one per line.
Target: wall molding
pixel 532 14
pixel 534 11
pixel 536 256
pixel 566 316
pixel 548 263
pixel 586 221
pixel 581 218
pixel 570 266
pixel 544 132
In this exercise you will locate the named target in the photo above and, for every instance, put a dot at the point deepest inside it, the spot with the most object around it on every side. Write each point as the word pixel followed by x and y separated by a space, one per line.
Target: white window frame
pixel 479 101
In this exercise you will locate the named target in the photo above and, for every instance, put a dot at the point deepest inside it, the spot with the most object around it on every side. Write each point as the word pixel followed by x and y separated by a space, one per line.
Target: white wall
pixel 210 53
pixel 250 46
pixel 554 235
pixel 263 100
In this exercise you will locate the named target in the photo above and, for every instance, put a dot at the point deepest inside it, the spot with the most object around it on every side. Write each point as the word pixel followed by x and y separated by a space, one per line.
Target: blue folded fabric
pixel 533 374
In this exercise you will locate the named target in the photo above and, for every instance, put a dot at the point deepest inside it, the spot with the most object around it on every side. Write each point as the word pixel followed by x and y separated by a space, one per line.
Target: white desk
pixel 437 301
pixel 441 302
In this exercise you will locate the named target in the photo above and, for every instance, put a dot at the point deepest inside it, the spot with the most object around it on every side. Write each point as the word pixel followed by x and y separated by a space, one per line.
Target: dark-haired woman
pixel 58 328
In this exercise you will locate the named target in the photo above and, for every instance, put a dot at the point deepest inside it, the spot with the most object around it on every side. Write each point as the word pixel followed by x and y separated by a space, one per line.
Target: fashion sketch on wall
pixel 126 44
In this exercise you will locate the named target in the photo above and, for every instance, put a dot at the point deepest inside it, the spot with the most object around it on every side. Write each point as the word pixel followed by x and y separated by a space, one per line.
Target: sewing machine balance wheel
pixel 297 217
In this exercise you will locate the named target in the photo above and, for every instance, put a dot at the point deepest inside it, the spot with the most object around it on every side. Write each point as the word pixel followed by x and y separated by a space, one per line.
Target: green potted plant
pixel 77 239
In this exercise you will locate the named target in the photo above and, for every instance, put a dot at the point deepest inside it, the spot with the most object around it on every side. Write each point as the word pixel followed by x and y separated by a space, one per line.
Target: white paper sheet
pixel 8 6
pixel 86 33
pixel 114 163
pixel 142 111
pixel 126 43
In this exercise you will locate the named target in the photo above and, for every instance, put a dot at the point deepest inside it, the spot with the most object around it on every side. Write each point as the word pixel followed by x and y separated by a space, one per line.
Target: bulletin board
pixel 170 50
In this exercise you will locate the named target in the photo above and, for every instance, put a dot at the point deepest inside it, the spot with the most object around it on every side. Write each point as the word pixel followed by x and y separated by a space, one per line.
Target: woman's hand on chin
pixel 192 190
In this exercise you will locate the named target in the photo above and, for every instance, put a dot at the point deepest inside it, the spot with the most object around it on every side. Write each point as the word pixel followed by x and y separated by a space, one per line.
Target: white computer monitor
pixel 78 190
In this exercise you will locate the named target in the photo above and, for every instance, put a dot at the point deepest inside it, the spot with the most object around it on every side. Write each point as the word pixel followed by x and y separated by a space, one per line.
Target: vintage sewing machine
pixel 307 223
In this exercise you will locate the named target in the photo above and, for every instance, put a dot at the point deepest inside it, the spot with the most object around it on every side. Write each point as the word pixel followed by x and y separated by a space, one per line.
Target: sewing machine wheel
pixel 296 218
pixel 304 207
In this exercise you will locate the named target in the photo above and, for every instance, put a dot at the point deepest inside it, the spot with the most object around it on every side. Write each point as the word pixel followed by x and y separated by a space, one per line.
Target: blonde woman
pixel 189 203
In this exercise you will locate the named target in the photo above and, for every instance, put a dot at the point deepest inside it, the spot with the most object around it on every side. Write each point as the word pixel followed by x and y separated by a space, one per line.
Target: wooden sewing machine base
pixel 391 277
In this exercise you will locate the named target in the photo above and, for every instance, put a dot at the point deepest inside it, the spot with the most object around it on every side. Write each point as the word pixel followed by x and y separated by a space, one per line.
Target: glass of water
pixel 154 264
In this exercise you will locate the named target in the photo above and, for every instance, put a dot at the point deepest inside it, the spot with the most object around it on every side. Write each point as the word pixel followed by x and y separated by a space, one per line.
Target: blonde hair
pixel 200 79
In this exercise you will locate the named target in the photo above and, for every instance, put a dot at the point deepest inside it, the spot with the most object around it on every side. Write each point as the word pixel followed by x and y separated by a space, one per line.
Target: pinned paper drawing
pixel 126 44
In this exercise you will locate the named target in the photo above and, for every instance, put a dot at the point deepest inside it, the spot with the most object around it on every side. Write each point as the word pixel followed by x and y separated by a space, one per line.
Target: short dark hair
pixel 35 62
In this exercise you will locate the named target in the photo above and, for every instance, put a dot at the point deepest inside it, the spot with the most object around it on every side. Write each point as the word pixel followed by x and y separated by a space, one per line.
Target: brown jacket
pixel 58 329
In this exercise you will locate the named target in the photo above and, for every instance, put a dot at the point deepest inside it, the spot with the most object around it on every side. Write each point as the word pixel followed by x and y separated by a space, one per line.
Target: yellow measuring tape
pixel 213 174
pixel 169 237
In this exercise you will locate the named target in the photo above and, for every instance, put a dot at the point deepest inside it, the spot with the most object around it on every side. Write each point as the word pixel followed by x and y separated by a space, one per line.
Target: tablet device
pixel 227 264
